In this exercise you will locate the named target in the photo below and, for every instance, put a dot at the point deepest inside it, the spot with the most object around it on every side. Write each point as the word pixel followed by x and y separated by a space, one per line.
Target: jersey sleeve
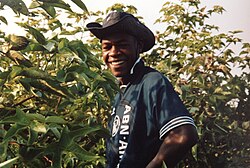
pixel 167 109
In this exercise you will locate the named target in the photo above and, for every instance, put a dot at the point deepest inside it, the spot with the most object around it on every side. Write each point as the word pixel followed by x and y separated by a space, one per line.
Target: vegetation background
pixel 56 93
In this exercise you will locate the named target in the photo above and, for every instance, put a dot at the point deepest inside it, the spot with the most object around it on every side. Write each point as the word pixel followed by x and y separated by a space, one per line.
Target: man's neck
pixel 126 79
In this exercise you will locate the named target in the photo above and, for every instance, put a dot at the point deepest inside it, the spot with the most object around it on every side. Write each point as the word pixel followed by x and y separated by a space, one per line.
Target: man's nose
pixel 114 51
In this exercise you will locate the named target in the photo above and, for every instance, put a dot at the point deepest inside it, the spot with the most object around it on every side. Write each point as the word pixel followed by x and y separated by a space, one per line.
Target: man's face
pixel 119 52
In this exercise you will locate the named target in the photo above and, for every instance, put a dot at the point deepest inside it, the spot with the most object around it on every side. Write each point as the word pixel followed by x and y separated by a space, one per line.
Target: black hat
pixel 118 22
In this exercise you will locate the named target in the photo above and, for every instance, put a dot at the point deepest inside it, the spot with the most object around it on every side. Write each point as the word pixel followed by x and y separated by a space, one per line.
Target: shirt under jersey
pixel 146 110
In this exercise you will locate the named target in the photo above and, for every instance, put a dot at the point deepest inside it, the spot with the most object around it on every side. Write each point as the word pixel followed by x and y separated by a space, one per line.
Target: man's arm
pixel 175 146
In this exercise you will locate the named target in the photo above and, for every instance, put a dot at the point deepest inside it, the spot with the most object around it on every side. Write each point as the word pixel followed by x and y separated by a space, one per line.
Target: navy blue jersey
pixel 143 113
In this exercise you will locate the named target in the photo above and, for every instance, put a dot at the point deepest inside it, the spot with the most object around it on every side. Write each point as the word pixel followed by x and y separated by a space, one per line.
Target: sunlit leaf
pixel 38 127
pixel 50 46
pixel 34 4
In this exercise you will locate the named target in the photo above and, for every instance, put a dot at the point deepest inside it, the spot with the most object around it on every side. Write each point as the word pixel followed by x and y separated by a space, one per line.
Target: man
pixel 149 124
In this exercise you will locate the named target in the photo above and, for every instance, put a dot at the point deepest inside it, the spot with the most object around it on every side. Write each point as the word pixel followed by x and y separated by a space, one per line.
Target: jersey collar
pixel 136 68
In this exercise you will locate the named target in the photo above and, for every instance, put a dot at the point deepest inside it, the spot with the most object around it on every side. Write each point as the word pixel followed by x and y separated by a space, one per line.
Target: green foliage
pixel 199 63
pixel 55 95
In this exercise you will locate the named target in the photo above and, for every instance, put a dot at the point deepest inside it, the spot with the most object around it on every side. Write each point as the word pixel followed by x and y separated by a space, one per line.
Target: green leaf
pixel 67 136
pixel 34 47
pixel 33 135
pixel 49 9
pixel 244 52
pixel 83 79
pixel 16 70
pixel 81 54
pixel 55 119
pixel 62 44
pixel 56 132
pixel 35 73
pixel 81 153
pixel 4 77
pixel 13 131
pixel 3 20
pixel 19 118
pixel 36 116
pixel 81 5
pixel 26 83
pixel 59 4
pixel 55 86
pixel 37 34
pixel 75 44
pixel 18 6
pixel 60 76
pixel 65 139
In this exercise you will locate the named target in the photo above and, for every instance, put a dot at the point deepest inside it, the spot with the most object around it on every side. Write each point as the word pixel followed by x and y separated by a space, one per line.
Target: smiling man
pixel 149 124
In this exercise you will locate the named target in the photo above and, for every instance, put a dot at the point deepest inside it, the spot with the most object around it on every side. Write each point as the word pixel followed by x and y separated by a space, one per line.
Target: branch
pixel 58 102
pixel 224 49
pixel 22 101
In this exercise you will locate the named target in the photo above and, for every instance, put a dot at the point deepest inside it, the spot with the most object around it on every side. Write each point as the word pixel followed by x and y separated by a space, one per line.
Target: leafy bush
pixel 54 93
pixel 199 63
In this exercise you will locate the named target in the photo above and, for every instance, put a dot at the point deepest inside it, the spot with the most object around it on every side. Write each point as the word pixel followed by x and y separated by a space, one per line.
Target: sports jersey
pixel 143 113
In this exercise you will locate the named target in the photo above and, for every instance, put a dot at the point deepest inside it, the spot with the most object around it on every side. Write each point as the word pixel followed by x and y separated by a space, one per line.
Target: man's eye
pixel 106 47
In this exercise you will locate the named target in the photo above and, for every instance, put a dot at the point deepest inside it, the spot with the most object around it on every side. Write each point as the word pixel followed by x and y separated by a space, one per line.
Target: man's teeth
pixel 117 62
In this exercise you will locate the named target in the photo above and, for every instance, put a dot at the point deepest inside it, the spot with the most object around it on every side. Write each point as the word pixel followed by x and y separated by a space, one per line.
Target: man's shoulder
pixel 154 76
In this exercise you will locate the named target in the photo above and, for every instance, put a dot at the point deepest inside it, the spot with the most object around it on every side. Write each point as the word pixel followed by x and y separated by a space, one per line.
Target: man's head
pixel 123 38
pixel 119 52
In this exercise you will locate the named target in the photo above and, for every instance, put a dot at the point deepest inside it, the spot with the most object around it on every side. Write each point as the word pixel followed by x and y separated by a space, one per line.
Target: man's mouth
pixel 117 62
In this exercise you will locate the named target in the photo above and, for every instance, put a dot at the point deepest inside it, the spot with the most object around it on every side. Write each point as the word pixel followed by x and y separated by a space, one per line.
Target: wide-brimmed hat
pixel 122 22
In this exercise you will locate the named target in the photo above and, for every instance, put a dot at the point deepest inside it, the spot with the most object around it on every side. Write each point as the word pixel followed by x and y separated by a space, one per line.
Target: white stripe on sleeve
pixel 176 122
